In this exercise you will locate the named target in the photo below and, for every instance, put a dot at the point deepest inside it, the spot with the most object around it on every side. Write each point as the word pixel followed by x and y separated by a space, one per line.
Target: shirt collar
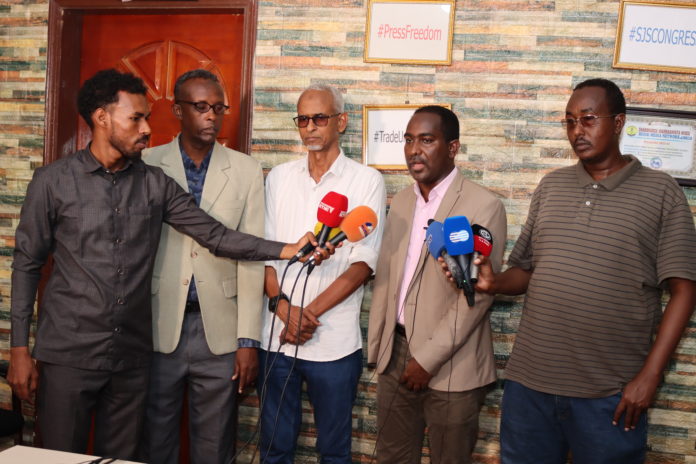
pixel 336 168
pixel 90 163
pixel 439 190
pixel 614 180
pixel 189 165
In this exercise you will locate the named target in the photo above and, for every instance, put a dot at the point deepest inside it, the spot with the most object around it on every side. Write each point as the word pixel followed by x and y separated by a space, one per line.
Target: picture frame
pixel 662 139
pixel 656 36
pixel 383 134
pixel 409 31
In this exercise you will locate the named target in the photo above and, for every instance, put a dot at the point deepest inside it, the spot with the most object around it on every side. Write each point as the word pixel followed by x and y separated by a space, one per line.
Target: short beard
pixel 125 152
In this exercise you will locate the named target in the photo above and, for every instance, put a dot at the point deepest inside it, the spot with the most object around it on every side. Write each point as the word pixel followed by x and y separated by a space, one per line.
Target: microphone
pixel 334 231
pixel 331 211
pixel 332 208
pixel 357 225
pixel 435 240
pixel 459 243
pixel 483 245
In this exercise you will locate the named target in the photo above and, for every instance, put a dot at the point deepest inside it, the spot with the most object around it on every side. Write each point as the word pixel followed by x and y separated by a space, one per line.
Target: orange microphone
pixel 358 224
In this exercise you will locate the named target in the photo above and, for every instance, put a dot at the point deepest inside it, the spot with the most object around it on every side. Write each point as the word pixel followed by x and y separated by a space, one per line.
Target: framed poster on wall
pixel 662 139
pixel 656 36
pixel 383 135
pixel 409 31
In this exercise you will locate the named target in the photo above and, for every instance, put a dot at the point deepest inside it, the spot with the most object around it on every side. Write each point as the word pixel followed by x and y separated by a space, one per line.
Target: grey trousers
pixel 402 415
pixel 67 397
pixel 211 399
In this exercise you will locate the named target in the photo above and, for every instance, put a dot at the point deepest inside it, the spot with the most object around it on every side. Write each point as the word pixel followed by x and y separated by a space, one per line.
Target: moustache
pixel 416 159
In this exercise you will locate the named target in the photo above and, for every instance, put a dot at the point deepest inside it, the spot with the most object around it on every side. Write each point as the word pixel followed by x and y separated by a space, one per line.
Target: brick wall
pixel 514 63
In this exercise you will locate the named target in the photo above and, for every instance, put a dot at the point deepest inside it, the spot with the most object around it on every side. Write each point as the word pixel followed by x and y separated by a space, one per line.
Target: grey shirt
pixel 600 252
pixel 103 229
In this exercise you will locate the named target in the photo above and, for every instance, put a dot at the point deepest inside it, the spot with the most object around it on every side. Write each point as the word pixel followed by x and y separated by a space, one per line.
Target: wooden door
pixel 160 47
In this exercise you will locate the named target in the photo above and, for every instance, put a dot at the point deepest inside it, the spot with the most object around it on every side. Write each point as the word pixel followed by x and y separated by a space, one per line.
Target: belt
pixel 400 330
pixel 192 307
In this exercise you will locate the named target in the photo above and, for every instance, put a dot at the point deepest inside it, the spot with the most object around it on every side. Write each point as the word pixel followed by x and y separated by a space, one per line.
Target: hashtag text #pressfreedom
pixel 388 31
pixel 661 35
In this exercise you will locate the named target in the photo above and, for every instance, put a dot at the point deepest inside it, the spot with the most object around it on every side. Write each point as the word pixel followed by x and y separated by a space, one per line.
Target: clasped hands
pixel 290 315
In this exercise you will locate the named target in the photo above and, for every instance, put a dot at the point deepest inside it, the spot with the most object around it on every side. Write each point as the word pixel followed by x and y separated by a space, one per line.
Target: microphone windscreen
pixel 458 236
pixel 332 209
pixel 483 240
pixel 434 238
pixel 334 231
pixel 359 223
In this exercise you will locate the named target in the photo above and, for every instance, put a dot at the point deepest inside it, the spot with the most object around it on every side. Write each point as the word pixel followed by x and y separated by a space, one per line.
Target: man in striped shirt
pixel 603 239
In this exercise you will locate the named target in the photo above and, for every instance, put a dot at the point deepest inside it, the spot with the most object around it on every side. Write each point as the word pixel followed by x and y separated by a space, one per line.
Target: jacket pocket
pixel 229 288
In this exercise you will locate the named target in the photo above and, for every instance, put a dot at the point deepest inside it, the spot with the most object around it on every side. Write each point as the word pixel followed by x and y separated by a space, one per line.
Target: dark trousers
pixel 67 396
pixel 402 416
pixel 539 428
pixel 331 387
pixel 211 399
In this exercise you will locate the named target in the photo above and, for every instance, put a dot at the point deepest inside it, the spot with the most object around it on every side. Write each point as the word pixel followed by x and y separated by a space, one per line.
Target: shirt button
pixel 588 202
pixel 117 210
pixel 595 186
pixel 117 330
pixel 119 271
pixel 185 281
pixel 117 241
pixel 120 301
pixel 113 181
pixel 194 254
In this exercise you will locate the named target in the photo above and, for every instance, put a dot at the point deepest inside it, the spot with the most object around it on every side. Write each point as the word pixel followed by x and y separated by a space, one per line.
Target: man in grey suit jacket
pixel 206 310
pixel 433 353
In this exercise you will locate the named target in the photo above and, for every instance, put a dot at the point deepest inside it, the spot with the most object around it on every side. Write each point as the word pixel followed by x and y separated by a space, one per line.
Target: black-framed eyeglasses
pixel 204 107
pixel 320 120
pixel 589 120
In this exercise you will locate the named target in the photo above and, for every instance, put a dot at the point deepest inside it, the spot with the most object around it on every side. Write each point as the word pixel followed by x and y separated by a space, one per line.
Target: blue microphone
pixel 435 240
pixel 459 243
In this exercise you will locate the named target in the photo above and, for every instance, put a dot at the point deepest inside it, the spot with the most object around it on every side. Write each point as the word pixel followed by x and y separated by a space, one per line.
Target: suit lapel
pixel 450 198
pixel 172 165
pixel 401 251
pixel 401 257
pixel 216 178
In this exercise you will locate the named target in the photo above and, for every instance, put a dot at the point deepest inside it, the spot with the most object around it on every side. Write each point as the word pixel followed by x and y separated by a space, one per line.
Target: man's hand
pixel 637 397
pixel 22 375
pixel 319 254
pixel 415 377
pixel 486 277
pixel 246 367
pixel 306 326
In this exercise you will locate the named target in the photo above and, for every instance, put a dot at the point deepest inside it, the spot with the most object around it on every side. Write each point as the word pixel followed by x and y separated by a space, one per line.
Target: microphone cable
pixel 408 342
pixel 294 357
pixel 267 368
pixel 417 275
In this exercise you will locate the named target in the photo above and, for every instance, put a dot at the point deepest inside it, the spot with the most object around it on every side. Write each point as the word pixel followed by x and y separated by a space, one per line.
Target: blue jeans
pixel 331 387
pixel 539 428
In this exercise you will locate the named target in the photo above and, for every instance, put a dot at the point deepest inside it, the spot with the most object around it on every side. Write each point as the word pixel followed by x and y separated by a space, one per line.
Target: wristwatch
pixel 273 302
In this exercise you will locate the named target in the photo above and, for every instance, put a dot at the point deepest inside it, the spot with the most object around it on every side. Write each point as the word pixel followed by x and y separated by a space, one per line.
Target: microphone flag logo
pixel 459 236
pixel 484 233
pixel 328 209
pixel 366 228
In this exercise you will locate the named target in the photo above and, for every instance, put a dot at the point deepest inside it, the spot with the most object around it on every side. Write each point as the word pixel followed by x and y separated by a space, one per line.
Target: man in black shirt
pixel 99 212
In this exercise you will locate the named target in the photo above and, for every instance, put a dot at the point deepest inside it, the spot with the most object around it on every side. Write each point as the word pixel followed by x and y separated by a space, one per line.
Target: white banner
pixel 656 36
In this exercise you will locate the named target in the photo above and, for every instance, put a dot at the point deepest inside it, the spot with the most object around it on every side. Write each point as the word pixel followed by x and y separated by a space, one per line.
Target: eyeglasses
pixel 204 107
pixel 320 120
pixel 589 120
